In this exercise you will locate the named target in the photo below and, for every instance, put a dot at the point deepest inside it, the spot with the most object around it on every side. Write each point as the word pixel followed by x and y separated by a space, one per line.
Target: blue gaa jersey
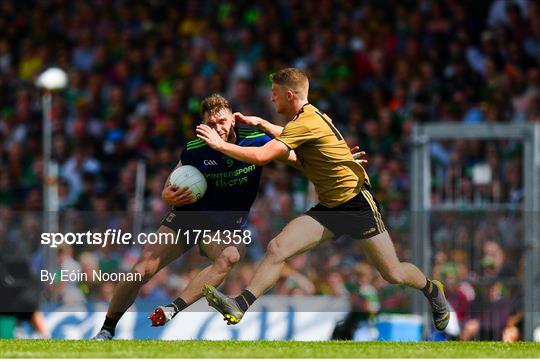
pixel 232 185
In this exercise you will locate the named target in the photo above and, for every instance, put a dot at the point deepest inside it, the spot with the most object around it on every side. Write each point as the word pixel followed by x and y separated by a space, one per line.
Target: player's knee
pixel 146 269
pixel 275 251
pixel 231 255
pixel 394 277
pixel 228 257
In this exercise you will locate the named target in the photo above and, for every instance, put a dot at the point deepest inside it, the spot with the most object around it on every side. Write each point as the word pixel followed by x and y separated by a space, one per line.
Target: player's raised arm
pixel 260 123
pixel 253 155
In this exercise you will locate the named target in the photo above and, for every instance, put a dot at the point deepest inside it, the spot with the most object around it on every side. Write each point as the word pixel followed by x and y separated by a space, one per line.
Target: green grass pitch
pixel 263 349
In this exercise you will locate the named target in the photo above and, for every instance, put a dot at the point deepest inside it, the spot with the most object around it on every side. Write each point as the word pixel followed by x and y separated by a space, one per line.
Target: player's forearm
pixel 252 155
pixel 269 128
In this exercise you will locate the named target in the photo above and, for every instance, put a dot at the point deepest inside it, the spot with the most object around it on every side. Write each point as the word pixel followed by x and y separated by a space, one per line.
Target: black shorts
pixel 359 217
pixel 181 221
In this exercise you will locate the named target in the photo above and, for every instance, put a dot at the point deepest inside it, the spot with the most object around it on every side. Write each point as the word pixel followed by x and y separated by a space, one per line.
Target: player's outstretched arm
pixel 271 129
pixel 274 149
pixel 292 160
pixel 260 123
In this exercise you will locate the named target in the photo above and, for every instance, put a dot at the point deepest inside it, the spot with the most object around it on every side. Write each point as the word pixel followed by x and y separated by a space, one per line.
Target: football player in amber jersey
pixel 347 206
pixel 232 188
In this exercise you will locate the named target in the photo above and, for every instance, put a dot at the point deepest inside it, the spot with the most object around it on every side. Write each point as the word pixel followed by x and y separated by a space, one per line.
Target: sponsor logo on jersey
pixel 210 162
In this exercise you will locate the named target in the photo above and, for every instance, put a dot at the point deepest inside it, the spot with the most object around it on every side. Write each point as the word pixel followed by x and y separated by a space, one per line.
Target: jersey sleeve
pixel 261 140
pixel 295 134
pixel 253 138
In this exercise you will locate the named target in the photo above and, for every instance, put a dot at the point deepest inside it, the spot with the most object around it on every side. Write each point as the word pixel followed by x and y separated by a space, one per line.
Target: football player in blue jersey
pixel 232 189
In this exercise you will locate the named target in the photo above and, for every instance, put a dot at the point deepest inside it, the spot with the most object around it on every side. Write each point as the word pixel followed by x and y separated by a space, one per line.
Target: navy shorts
pixel 182 221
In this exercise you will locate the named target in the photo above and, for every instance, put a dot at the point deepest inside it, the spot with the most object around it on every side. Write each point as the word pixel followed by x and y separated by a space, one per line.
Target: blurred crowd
pixel 138 71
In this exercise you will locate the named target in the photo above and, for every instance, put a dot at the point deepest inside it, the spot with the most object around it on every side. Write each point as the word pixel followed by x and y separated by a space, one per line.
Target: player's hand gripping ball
pixel 190 177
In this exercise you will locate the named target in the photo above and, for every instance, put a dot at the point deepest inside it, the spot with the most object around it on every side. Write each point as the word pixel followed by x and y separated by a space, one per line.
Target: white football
pixel 191 177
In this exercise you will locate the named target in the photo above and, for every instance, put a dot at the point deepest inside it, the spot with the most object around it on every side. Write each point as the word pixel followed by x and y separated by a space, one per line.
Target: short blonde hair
pixel 292 78
pixel 214 103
